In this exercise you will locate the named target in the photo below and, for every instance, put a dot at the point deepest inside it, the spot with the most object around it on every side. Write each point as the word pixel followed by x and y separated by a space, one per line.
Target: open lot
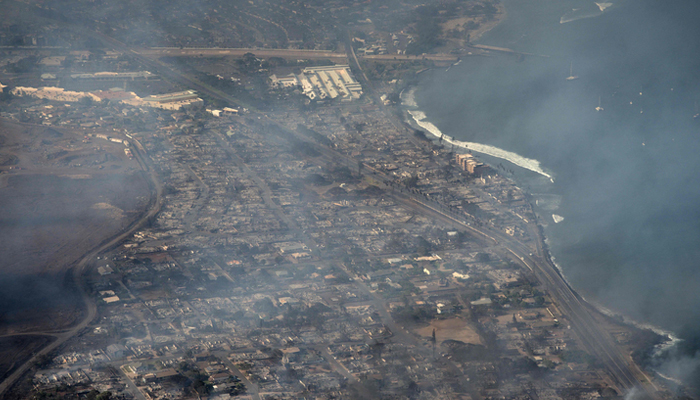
pixel 54 212
pixel 450 329
pixel 15 350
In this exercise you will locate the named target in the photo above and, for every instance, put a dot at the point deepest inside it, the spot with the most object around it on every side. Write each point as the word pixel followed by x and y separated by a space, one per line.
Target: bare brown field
pixel 48 221
pixel 14 351
pixel 52 213
pixel 450 329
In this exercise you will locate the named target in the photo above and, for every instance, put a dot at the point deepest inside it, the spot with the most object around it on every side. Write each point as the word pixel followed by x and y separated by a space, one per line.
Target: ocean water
pixel 622 183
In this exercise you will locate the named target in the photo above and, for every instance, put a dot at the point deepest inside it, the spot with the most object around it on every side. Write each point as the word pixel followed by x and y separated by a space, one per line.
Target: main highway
pixel 296 54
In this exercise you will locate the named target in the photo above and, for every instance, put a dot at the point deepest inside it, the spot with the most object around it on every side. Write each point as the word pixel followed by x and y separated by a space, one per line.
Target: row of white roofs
pixel 171 101
pixel 323 82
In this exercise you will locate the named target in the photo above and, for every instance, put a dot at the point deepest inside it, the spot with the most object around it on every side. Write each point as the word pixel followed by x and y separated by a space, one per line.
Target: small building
pixel 53 61
pixel 114 94
pixel 165 374
pixel 53 93
pixel 116 351
pixel 484 301
pixel 111 299
pixel 173 101
pixel 288 81
pixel 220 377
pixel 172 97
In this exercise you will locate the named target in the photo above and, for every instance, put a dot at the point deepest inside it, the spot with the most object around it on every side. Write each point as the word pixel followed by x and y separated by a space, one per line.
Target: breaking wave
pixel 576 15
pixel 672 341
pixel 520 161
pixel 408 97
pixel 547 201
pixel 591 11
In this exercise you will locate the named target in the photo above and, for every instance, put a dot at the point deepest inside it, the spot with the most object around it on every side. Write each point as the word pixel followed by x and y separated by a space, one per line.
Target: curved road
pixel 79 269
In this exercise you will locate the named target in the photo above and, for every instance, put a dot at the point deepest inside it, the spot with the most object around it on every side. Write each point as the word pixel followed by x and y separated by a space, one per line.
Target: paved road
pixel 337 366
pixel 396 57
pixel 131 385
pixel 224 52
pixel 251 388
pixel 295 54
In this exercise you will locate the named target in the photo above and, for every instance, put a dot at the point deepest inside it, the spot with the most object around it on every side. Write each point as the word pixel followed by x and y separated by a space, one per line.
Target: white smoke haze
pixel 633 394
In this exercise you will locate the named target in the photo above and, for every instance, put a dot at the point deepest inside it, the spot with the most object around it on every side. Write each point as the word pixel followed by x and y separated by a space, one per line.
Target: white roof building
pixel 53 93
pixel 285 82
pixel 334 81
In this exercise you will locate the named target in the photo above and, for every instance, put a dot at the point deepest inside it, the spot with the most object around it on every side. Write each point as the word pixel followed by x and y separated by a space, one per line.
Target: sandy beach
pixel 487 26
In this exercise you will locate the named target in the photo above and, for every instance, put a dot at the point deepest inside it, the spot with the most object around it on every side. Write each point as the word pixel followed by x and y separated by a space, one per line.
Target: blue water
pixel 627 179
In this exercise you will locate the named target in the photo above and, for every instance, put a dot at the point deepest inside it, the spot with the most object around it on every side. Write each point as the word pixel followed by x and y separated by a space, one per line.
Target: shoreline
pixel 405 107
pixel 484 29
pixel 407 104
pixel 492 151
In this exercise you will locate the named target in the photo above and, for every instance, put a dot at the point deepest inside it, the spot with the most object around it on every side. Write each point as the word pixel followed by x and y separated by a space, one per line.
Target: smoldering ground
pixel 43 302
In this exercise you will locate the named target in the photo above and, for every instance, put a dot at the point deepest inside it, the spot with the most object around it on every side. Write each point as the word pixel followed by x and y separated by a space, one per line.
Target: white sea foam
pixel 547 201
pixel 668 378
pixel 576 15
pixel 520 161
pixel 587 12
pixel 672 338
pixel 658 350
pixel 408 98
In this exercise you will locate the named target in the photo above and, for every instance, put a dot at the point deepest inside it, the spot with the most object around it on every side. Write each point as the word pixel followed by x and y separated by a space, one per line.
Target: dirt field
pixel 47 219
pixel 450 329
pixel 51 213
pixel 16 350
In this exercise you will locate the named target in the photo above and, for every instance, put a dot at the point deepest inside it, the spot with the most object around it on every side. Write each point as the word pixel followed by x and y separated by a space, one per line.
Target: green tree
pixel 104 396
